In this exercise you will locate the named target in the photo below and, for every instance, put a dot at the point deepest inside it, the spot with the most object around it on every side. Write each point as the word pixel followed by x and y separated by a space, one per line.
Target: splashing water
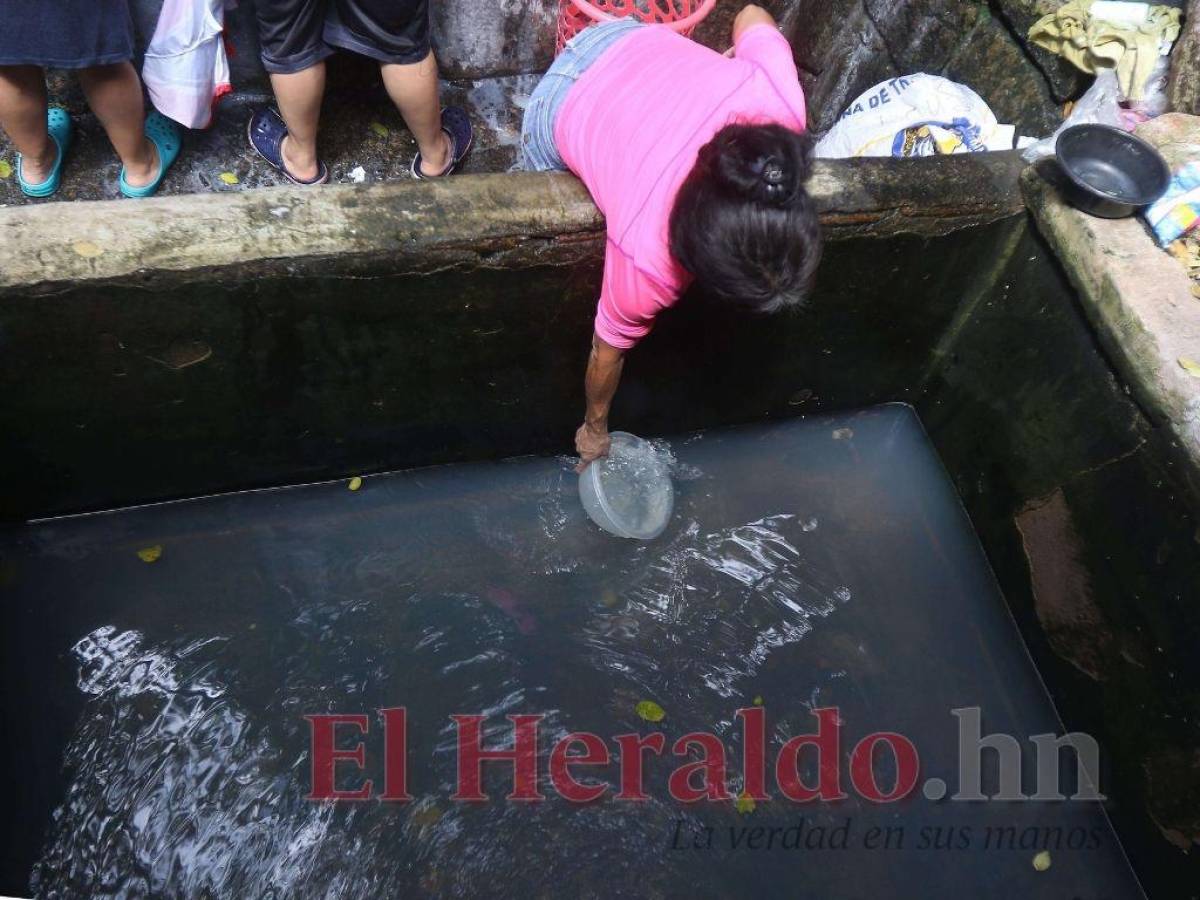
pixel 179 690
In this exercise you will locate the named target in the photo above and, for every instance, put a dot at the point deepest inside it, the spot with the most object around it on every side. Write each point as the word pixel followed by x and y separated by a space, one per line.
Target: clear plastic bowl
pixel 629 492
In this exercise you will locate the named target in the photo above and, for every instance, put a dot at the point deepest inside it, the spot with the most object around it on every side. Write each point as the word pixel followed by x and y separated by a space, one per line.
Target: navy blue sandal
pixel 457 125
pixel 266 132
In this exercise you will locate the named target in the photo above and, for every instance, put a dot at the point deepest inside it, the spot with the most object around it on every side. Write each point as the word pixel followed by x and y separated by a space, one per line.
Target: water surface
pixel 155 709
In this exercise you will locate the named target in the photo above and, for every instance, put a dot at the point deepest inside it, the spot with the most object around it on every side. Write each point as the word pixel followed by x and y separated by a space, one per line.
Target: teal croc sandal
pixel 164 134
pixel 58 125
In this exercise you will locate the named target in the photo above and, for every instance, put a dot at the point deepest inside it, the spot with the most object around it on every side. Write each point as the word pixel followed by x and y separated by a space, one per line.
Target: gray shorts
pixel 537 130
pixel 297 34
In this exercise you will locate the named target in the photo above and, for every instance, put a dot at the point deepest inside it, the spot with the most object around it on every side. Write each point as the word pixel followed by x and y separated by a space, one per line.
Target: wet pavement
pixel 363 139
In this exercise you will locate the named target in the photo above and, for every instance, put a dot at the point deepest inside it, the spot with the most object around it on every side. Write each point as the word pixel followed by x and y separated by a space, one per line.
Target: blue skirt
pixel 65 34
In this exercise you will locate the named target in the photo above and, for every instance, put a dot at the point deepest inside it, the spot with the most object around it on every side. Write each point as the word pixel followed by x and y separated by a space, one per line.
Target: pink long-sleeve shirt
pixel 631 129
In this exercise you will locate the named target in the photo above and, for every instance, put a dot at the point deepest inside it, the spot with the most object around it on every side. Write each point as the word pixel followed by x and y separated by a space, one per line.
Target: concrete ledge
pixel 1139 300
pixel 495 221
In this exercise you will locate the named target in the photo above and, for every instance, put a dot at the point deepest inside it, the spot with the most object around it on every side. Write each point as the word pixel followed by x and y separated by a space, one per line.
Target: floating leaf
pixel 87 249
pixel 651 711
pixel 150 554
pixel 355 483
pixel 5 168
pixel 228 178
pixel 426 817
pixel 1041 862
pixel 1190 366
pixel 380 129
pixel 758 701
pixel 745 804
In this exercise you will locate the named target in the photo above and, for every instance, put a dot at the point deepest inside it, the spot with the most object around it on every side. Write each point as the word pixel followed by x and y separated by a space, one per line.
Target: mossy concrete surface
pixel 1140 302
pixel 484 220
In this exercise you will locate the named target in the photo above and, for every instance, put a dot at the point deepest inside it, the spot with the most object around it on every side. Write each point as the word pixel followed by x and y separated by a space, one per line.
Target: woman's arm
pixel 600 386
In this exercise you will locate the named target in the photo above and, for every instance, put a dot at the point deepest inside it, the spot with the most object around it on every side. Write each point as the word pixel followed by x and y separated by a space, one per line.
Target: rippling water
pixel 814 563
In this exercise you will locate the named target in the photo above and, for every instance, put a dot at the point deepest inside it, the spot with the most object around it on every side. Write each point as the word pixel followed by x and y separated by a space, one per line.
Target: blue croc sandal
pixel 58 125
pixel 456 124
pixel 164 134
pixel 266 132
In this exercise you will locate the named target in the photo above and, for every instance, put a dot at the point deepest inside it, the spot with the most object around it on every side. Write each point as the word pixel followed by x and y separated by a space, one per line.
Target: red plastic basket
pixel 680 15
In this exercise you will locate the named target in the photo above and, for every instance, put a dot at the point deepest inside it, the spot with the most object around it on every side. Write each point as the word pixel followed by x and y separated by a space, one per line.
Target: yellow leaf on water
pixel 355 483
pixel 426 817
pixel 5 168
pixel 1190 366
pixel 745 804
pixel 1041 862
pixel 650 711
pixel 150 554
pixel 758 701
pixel 228 178
pixel 87 249
pixel 380 129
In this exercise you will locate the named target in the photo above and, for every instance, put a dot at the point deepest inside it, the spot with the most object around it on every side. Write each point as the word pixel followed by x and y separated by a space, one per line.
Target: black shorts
pixel 296 34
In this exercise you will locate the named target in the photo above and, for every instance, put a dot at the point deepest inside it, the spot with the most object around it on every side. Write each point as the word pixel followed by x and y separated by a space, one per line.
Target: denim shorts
pixel 65 34
pixel 537 131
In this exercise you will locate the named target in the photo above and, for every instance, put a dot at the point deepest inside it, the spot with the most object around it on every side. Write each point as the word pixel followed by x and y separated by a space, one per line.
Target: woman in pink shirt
pixel 698 162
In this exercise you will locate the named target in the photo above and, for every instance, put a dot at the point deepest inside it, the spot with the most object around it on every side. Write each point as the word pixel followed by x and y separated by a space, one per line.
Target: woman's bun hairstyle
pixel 767 163
pixel 743 224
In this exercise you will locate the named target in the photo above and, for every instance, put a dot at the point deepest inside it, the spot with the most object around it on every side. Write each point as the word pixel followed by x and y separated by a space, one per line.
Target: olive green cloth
pixel 1093 44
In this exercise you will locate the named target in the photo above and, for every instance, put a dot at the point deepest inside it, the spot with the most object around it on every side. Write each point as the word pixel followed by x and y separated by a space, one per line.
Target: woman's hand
pixel 749 16
pixel 591 443
pixel 603 376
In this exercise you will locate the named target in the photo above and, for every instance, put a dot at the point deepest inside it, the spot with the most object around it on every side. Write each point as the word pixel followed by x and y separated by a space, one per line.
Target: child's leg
pixel 115 95
pixel 23 118
pixel 414 90
pixel 298 96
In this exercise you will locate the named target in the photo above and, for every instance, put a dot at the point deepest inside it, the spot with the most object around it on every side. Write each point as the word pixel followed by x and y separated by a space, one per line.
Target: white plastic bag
pixel 916 115
pixel 1101 105
pixel 186 70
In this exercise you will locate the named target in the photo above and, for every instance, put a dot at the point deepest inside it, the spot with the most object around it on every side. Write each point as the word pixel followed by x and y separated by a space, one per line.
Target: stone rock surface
pixel 849 50
pixel 991 63
pixel 1172 779
pixel 1140 302
pixel 486 38
pixel 1066 81
pixel 1184 86
pixel 1176 135
pixel 1063 598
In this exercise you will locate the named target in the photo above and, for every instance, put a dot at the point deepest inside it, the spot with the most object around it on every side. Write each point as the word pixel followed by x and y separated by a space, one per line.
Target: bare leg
pixel 298 96
pixel 115 95
pixel 414 90
pixel 23 118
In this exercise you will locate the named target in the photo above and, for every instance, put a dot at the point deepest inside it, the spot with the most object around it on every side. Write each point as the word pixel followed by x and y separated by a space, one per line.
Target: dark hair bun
pixel 743 225
pixel 764 163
